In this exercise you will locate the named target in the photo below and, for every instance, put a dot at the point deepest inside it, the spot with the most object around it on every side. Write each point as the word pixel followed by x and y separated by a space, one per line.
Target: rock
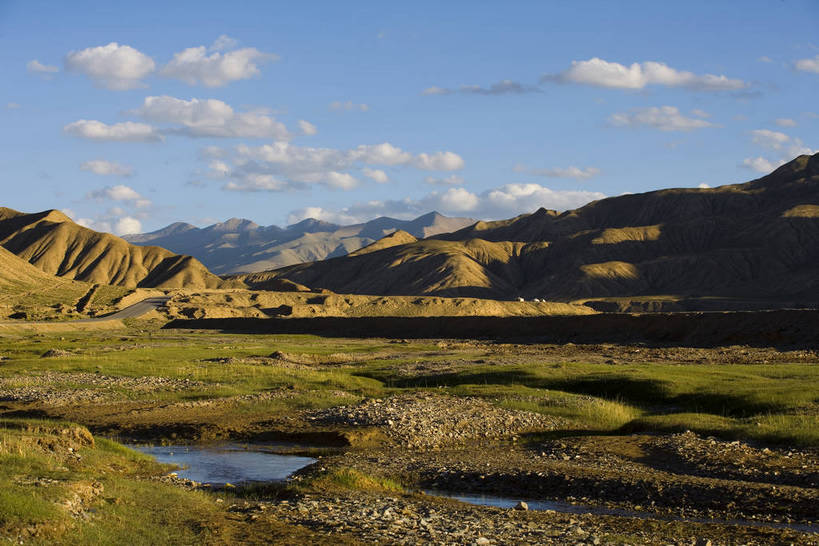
pixel 483 540
pixel 521 506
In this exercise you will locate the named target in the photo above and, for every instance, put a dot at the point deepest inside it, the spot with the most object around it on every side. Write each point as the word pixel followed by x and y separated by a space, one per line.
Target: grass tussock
pixel 350 478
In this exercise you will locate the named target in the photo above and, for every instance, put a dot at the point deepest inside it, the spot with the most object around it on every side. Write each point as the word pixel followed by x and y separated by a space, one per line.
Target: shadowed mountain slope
pixel 239 245
pixel 57 246
pixel 756 241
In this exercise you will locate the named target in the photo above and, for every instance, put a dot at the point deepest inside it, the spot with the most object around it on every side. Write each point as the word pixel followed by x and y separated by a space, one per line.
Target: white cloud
pixel 770 139
pixel 785 122
pixel 760 164
pixel 119 192
pixel 455 200
pixel 127 131
pixel 601 73
pixel 36 67
pixel 210 118
pixel 503 87
pixel 96 225
pixel 253 182
pixel 348 106
pixel 380 154
pixel 451 180
pixel 128 225
pixel 107 168
pixel 194 66
pixel 703 186
pixel 224 43
pixel 342 181
pixel 294 167
pixel 664 118
pixel 765 59
pixel 439 161
pixel 576 173
pixel 808 65
pixel 778 141
pixel 112 66
pixel 502 202
pixel 12 105
pixel 115 220
pixel 700 113
pixel 376 174
pixel 307 128
pixel 219 169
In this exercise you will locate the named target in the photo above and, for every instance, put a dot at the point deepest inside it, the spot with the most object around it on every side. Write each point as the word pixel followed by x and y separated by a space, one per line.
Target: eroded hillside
pixel 54 244
pixel 757 241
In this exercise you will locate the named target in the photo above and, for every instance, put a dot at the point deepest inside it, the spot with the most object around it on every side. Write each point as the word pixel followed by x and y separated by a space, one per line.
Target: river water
pixel 228 463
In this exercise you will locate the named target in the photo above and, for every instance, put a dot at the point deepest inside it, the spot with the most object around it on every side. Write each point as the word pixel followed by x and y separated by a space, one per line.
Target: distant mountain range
pixel 55 245
pixel 757 241
pixel 241 246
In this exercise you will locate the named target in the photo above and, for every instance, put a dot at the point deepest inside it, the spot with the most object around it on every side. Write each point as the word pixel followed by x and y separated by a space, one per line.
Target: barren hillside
pixel 756 241
pixel 54 244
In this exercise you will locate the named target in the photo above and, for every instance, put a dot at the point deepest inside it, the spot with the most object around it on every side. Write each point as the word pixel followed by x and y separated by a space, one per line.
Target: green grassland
pixel 749 400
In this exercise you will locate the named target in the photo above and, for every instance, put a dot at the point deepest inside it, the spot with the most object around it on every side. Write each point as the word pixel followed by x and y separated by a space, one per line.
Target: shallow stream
pixel 228 463
pixel 235 463
pixel 568 508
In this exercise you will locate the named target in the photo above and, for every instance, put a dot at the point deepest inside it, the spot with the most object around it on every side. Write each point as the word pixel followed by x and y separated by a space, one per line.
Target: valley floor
pixel 655 444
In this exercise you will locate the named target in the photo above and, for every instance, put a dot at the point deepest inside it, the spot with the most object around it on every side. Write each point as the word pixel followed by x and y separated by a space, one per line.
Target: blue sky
pixel 130 116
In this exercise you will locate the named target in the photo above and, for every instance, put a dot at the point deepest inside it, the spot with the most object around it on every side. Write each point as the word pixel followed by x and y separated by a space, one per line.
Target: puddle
pixel 567 508
pixel 228 463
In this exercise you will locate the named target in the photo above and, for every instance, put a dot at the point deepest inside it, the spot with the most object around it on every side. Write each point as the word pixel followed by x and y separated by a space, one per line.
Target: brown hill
pixel 397 238
pixel 757 241
pixel 54 244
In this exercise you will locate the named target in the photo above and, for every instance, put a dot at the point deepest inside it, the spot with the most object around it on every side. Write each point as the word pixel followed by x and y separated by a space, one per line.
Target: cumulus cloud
pixel 502 202
pixel 127 131
pixel 575 173
pixel 128 225
pixel 503 87
pixel 438 161
pixel 808 65
pixel 341 181
pixel 700 113
pixel 348 106
pixel 36 67
pixel 119 192
pixel 195 65
pixel 376 174
pixel 778 141
pixel 210 118
pixel 785 122
pixel 760 164
pixel 307 128
pixel 451 180
pixel 107 168
pixel 766 138
pixel 600 73
pixel 112 66
pixel 254 182
pixel 664 118
pixel 224 43
pixel 703 186
pixel 295 167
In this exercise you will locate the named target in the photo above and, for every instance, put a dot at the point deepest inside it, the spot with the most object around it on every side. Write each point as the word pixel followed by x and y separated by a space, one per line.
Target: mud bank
pixel 788 328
